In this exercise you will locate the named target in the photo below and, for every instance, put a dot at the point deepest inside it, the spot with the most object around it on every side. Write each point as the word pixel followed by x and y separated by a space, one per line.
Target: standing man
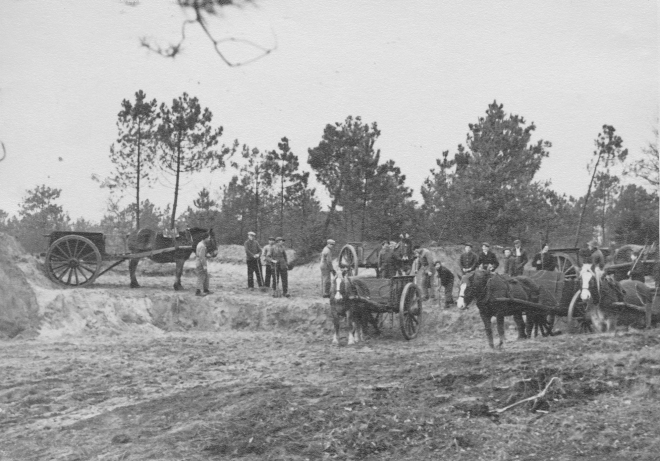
pixel 468 259
pixel 509 263
pixel 265 259
pixel 425 264
pixel 544 261
pixel 386 264
pixel 520 257
pixel 446 279
pixel 281 266
pixel 597 258
pixel 487 259
pixel 252 253
pixel 202 268
pixel 326 268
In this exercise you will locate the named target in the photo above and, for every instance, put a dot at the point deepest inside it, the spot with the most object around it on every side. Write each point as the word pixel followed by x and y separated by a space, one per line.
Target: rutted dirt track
pixel 275 388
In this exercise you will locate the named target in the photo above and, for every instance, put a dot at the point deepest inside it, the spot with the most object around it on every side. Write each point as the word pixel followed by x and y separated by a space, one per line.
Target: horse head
pixel 339 286
pixel 198 234
pixel 473 286
pixel 590 288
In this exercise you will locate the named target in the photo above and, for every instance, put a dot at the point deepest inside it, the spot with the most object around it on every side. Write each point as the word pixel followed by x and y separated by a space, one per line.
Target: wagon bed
pixel 398 295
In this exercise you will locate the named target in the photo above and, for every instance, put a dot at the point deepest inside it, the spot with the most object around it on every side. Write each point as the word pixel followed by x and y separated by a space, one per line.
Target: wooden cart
pixel 356 255
pixel 76 258
pixel 398 295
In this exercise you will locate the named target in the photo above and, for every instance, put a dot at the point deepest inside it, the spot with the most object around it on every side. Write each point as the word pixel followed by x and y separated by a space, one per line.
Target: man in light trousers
pixel 202 268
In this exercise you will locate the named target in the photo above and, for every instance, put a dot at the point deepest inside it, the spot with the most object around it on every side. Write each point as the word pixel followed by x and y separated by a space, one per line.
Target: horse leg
pixel 177 274
pixel 500 329
pixel 489 329
pixel 132 266
pixel 335 322
pixel 520 325
pixel 350 320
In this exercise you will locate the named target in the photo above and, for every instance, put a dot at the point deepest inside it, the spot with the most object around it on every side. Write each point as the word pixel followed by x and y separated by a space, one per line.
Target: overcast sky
pixel 423 70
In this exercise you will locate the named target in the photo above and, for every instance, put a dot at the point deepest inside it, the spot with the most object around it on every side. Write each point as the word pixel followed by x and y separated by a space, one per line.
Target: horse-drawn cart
pixel 76 258
pixel 398 295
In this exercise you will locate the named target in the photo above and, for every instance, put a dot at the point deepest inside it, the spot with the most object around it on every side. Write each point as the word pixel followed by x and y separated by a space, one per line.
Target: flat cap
pixel 251 233
pixel 516 241
pixel 467 244
pixel 280 239
pixel 330 242
pixel 486 244
pixel 271 238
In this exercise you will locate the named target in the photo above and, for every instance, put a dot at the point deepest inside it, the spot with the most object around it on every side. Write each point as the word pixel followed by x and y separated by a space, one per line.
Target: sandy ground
pixel 121 374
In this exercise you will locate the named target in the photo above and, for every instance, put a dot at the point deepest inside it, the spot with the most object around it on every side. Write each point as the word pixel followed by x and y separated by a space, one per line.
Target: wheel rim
pixel 579 319
pixel 566 266
pixel 73 260
pixel 410 311
pixel 348 258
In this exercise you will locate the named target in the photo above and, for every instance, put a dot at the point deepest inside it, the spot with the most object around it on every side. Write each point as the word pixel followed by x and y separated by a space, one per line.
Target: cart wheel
pixel 410 310
pixel 73 260
pixel 579 319
pixel 544 323
pixel 567 265
pixel 348 258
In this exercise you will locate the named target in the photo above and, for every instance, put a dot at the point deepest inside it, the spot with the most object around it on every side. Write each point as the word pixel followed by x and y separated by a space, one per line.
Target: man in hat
pixel 281 266
pixel 544 261
pixel 520 258
pixel 468 259
pixel 508 263
pixel 202 268
pixel 425 265
pixel 597 258
pixel 487 259
pixel 252 253
pixel 265 259
pixel 326 268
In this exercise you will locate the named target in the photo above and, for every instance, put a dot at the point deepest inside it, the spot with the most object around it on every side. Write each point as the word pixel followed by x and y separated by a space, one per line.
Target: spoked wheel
pixel 567 265
pixel 348 258
pixel 410 310
pixel 73 260
pixel 579 317
pixel 543 323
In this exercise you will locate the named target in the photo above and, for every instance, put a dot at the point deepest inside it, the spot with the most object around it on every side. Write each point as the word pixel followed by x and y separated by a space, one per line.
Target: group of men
pixel 273 256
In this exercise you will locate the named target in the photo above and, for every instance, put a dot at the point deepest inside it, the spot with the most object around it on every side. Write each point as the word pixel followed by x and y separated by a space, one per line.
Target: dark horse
pixel 486 287
pixel 147 239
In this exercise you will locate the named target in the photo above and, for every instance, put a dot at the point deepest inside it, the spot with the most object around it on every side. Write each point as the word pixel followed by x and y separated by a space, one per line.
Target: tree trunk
pixel 137 195
pixel 586 200
pixel 256 178
pixel 176 184
pixel 333 206
pixel 282 202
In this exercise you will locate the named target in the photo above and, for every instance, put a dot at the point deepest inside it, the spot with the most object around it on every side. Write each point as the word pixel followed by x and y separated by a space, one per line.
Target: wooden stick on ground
pixel 534 397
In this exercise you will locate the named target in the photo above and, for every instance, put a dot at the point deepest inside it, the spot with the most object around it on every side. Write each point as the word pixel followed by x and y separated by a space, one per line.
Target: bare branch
pixel 210 7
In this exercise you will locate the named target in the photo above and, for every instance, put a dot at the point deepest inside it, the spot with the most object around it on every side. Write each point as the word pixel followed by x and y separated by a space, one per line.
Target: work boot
pixel 199 293
pixel 207 292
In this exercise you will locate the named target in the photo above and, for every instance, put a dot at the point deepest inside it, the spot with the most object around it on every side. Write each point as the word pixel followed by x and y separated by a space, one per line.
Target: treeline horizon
pixel 484 191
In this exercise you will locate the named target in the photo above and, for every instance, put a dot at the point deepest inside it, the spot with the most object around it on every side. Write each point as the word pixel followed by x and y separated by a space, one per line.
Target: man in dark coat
pixel 597 258
pixel 520 256
pixel 252 254
pixel 386 261
pixel 544 261
pixel 487 259
pixel 446 279
pixel 508 263
pixel 468 259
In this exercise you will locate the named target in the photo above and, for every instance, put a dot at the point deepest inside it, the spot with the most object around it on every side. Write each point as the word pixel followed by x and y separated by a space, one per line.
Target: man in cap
pixel 468 259
pixel 597 258
pixel 265 259
pixel 326 268
pixel 281 266
pixel 508 263
pixel 202 268
pixel 252 253
pixel 386 260
pixel 425 265
pixel 520 258
pixel 487 259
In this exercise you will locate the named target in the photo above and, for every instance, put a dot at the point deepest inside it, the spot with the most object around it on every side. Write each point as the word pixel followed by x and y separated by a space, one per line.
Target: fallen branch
pixel 534 397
